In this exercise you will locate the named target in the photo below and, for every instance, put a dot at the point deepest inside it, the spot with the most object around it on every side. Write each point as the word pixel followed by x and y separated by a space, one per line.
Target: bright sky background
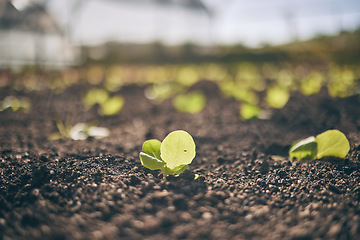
pixel 251 22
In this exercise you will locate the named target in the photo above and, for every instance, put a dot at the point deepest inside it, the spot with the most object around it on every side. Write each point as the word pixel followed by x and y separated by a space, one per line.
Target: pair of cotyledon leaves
pixel 331 143
pixel 171 156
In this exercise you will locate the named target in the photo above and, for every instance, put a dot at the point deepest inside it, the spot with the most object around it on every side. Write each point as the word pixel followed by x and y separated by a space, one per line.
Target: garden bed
pixel 98 189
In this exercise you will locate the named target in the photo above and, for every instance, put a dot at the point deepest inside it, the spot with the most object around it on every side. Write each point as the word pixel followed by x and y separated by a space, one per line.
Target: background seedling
pixel 331 143
pixel 192 102
pixel 107 105
pixel 162 91
pixel 15 104
pixel 95 96
pixel 112 106
pixel 79 131
pixel 277 97
pixel 171 156
pixel 249 111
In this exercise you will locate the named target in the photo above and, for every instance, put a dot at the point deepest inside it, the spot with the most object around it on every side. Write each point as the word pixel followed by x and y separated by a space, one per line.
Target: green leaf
pixel 150 155
pixel 277 97
pixel 152 148
pixel 180 169
pixel 244 94
pixel 150 162
pixel 193 102
pixel 161 91
pixel 332 143
pixel 94 96
pixel 249 111
pixel 178 148
pixel 112 105
pixel 304 149
pixel 176 171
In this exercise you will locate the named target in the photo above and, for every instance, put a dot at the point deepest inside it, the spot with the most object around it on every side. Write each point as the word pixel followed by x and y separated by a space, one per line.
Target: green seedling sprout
pixel 277 97
pixel 95 96
pixel 331 143
pixel 249 111
pixel 161 91
pixel 172 156
pixel 112 106
pixel 193 102
pixel 107 105
pixel 15 104
pixel 79 131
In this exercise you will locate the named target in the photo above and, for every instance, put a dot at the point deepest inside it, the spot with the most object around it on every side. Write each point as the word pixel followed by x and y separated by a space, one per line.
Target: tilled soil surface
pixel 98 189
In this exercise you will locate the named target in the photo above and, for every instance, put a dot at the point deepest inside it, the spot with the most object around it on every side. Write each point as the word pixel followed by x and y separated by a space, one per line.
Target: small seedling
pixel 172 156
pixel 277 97
pixel 107 105
pixel 112 106
pixel 15 104
pixel 331 143
pixel 249 111
pixel 193 102
pixel 162 91
pixel 79 131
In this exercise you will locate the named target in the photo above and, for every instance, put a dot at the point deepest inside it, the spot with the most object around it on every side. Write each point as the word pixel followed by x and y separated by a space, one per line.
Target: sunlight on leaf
pixel 98 132
pixel 178 148
pixel 79 131
pixel 332 143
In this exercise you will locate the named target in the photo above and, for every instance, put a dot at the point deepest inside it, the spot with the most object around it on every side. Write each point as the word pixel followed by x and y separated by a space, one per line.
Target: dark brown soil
pixel 98 189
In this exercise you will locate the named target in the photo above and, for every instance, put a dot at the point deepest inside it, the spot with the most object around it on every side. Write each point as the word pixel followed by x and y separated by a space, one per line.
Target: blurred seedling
pixel 249 111
pixel 79 131
pixel 331 143
pixel 15 104
pixel 192 102
pixel 161 91
pixel 277 97
pixel 108 105
pixel 172 156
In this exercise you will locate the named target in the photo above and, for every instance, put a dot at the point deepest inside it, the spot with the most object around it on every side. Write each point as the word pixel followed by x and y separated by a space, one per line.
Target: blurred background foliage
pixel 40 50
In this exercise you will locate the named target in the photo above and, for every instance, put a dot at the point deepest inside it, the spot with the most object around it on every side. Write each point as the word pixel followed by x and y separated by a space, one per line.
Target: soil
pixel 98 189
